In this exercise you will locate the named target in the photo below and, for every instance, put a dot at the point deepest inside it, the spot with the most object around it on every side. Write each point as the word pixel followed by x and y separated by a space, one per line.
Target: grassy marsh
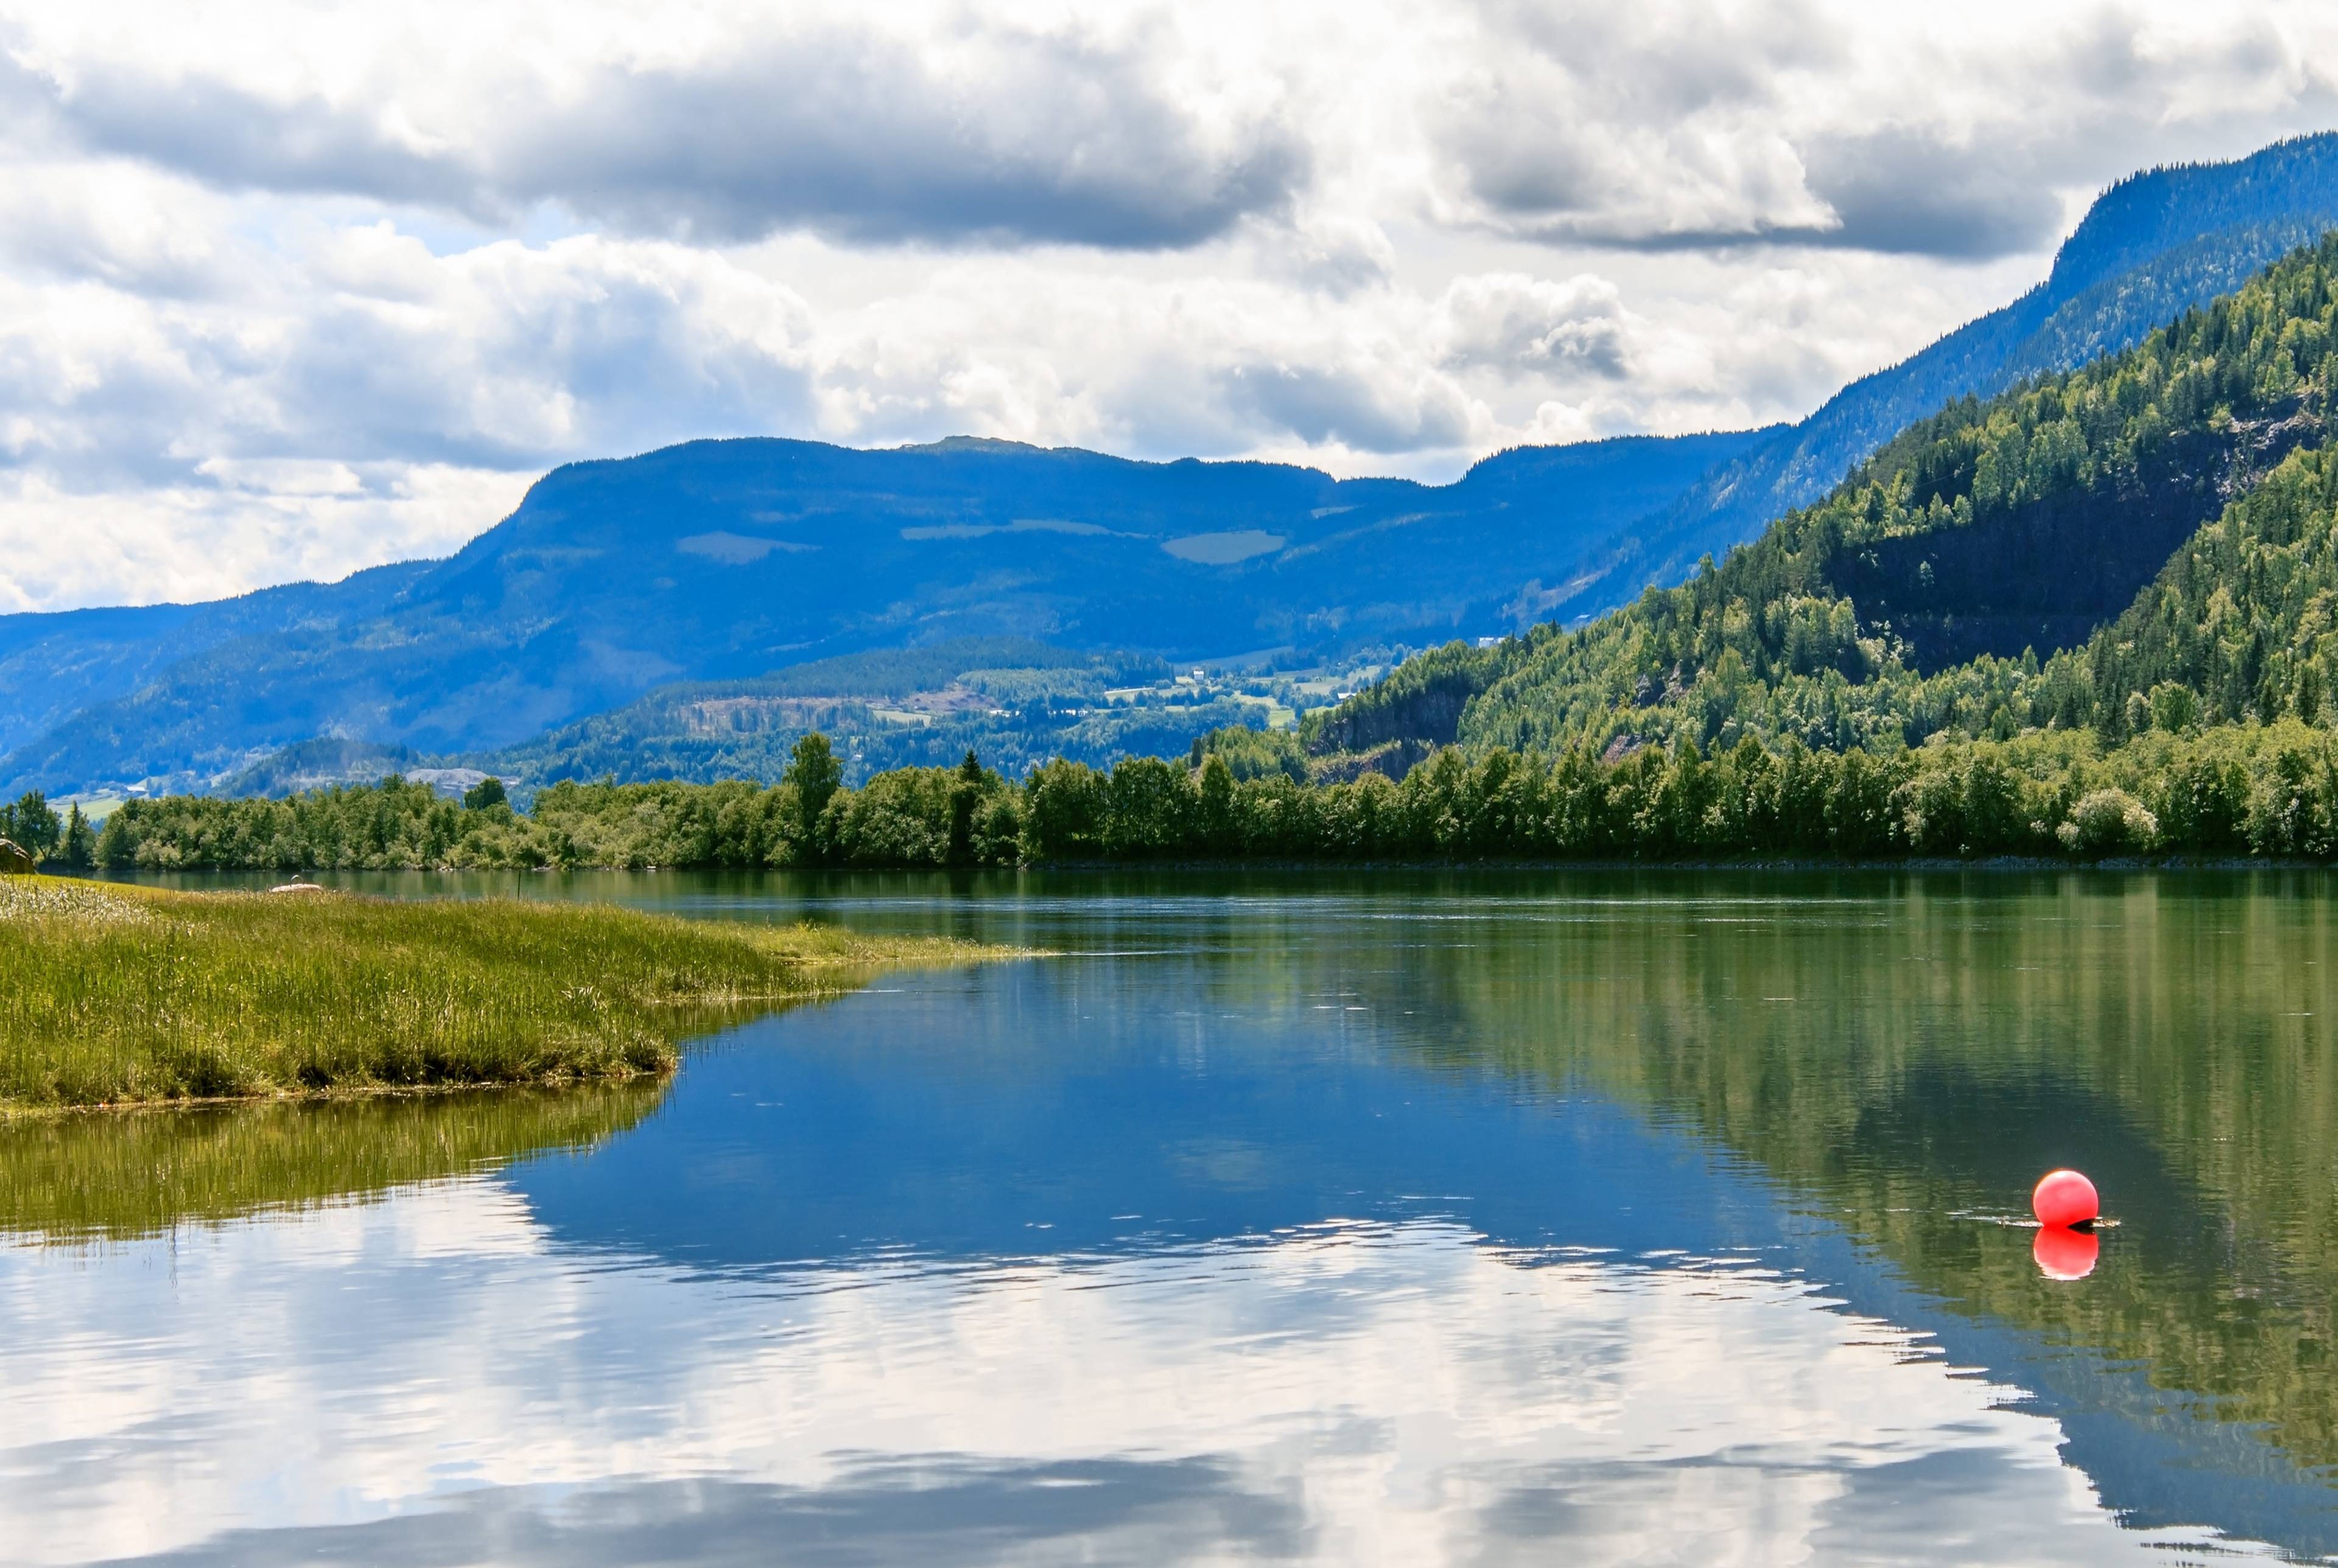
pixel 114 996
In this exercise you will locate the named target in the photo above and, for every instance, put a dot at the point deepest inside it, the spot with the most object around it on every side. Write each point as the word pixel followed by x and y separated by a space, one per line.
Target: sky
pixel 287 290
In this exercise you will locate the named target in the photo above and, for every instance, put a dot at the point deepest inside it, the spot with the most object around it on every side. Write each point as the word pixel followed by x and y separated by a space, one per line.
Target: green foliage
pixel 920 817
pixel 1064 813
pixel 1254 754
pixel 1423 698
pixel 815 775
pixel 667 824
pixel 392 826
pixel 487 794
pixel 2108 822
pixel 2218 790
pixel 78 852
pixel 32 825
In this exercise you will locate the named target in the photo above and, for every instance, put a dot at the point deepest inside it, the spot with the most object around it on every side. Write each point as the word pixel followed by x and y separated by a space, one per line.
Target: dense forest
pixel 2221 791
pixel 2146 540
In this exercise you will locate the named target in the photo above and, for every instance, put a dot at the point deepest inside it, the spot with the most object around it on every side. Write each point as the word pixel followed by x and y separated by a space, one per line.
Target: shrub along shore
pixel 2225 792
pixel 127 995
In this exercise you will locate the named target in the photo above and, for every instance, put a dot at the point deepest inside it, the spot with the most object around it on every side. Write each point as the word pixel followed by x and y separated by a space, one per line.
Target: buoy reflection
pixel 2065 1254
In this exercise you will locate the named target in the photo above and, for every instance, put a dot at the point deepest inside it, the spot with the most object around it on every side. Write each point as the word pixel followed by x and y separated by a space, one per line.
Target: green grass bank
pixel 115 996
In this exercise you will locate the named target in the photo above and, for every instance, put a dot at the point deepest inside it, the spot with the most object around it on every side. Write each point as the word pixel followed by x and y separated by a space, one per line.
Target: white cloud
pixel 1521 325
pixel 244 526
pixel 992 134
pixel 298 288
pixel 1891 129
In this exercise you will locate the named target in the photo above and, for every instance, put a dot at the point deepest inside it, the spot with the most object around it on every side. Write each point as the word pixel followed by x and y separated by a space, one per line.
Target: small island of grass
pixel 120 996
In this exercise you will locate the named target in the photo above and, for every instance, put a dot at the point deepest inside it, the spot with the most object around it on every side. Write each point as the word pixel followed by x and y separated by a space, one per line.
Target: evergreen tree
pixel 78 850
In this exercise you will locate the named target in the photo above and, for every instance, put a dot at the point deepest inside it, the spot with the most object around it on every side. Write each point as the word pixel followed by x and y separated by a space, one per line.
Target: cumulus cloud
pixel 230 527
pixel 1784 122
pixel 1519 324
pixel 298 288
pixel 1009 137
pixel 364 347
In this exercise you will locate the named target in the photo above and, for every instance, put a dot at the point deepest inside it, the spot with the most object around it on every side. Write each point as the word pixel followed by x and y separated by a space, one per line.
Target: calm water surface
pixel 1397 1220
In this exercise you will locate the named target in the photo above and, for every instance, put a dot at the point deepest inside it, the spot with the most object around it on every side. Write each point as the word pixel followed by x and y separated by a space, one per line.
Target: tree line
pixel 2248 789
pixel 67 843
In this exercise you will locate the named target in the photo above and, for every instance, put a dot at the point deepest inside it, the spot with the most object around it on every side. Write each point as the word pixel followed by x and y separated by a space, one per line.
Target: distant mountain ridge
pixel 2150 247
pixel 727 560
pixel 53 664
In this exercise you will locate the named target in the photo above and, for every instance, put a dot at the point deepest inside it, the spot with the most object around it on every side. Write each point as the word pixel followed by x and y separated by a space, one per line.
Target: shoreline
pixel 345 1094
pixel 126 996
pixel 143 878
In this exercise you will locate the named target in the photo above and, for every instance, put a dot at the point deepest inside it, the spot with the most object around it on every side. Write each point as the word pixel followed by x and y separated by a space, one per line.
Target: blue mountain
pixel 725 560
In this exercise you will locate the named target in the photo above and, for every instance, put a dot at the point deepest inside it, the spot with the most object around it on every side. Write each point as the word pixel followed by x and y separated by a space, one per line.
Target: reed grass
pixel 117 996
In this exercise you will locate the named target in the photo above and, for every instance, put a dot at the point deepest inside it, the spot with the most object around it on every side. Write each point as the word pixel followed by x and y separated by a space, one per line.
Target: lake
pixel 1480 1218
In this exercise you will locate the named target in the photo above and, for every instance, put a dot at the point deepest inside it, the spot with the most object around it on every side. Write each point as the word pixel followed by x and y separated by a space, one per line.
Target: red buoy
pixel 2065 1198
pixel 2063 1253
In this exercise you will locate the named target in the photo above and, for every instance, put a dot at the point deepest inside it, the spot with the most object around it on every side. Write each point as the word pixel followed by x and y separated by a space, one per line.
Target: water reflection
pixel 2066 1255
pixel 1392 1393
pixel 94 1177
pixel 1422 1221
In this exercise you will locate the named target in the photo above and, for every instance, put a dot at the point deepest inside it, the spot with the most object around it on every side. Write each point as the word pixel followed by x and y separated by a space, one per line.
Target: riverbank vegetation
pixel 119 995
pixel 2224 791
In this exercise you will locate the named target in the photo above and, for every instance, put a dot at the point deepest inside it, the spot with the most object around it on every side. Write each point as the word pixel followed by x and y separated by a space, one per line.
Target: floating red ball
pixel 2063 1253
pixel 2065 1198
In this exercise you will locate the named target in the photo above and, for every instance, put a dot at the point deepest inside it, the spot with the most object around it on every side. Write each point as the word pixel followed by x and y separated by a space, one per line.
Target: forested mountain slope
pixel 725 560
pixel 1961 579
pixel 2152 246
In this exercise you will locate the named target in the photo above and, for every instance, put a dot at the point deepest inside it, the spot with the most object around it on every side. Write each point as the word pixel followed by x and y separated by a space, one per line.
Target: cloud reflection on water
pixel 425 1380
